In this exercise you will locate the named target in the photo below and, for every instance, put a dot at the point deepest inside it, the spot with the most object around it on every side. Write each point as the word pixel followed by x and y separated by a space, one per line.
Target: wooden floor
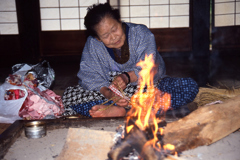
pixel 3 127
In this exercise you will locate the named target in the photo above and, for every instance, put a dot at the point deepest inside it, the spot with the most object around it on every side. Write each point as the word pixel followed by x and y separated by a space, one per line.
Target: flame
pixel 128 129
pixel 145 104
pixel 147 101
pixel 176 154
pixel 169 147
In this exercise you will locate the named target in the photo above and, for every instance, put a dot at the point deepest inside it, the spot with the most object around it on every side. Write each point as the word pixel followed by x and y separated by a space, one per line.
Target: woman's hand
pixel 122 102
pixel 107 92
pixel 111 95
pixel 121 81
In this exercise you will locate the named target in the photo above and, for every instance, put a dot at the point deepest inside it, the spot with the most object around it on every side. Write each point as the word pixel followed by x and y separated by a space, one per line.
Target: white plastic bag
pixel 42 71
pixel 9 109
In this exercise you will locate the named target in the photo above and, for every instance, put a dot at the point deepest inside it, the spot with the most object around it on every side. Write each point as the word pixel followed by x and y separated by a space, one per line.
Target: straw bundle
pixel 209 95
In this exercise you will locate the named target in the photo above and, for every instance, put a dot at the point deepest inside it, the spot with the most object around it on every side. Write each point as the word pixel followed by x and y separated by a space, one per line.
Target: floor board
pixel 3 127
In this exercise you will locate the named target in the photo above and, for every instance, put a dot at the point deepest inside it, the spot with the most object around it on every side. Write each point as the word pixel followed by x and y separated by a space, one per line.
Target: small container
pixel 35 129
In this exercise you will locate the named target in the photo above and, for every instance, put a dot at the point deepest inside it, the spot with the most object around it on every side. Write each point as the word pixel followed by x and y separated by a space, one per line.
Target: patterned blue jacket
pixel 96 62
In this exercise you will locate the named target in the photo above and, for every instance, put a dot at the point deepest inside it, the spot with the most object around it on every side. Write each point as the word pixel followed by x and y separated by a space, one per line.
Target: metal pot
pixel 35 129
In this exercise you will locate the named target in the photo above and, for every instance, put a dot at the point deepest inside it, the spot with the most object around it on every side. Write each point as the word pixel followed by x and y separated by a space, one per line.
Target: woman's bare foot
pixel 113 111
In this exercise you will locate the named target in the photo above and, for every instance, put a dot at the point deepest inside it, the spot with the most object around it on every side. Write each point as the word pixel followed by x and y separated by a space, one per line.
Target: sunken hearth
pixel 137 143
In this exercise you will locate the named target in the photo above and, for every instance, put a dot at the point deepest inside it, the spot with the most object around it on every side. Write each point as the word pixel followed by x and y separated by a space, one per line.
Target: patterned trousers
pixel 78 100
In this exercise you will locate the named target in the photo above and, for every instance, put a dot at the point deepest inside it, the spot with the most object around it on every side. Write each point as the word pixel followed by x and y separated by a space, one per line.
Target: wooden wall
pixel 61 43
pixel 226 38
pixel 32 44
pixel 173 40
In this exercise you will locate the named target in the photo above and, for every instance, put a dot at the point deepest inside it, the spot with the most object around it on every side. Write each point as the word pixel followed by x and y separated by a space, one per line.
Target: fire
pixel 146 102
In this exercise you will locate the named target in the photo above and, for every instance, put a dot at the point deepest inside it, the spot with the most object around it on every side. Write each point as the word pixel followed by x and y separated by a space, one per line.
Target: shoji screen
pixel 8 17
pixel 227 13
pixel 154 13
pixel 64 14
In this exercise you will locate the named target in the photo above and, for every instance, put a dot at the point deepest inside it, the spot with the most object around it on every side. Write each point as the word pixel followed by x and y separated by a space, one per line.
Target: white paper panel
pixel 144 21
pixel 224 8
pixel 159 1
pixel 237 19
pixel 139 11
pixel 178 1
pixel 7 5
pixel 82 24
pixel 83 12
pixel 124 11
pixel 216 1
pixel 125 19
pixel 113 2
pixel 8 29
pixel 68 3
pixel 87 2
pixel 115 7
pixel 49 3
pixel 139 2
pixel 224 20
pixel 69 13
pixel 50 13
pixel 238 7
pixel 70 24
pixel 179 10
pixel 124 2
pixel 102 1
pixel 180 21
pixel 159 22
pixel 159 10
pixel 50 25
pixel 8 17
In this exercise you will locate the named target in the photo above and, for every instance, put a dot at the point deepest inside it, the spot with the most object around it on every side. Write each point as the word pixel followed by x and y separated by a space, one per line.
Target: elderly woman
pixel 110 55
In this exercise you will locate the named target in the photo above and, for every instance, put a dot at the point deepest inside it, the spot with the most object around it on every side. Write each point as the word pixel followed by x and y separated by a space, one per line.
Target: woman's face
pixel 110 32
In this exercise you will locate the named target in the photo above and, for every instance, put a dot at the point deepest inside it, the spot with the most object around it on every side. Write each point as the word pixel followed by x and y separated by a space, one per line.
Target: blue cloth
pixel 84 108
pixel 182 90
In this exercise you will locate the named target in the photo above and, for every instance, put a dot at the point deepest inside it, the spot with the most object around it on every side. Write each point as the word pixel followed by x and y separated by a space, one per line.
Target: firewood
pixel 204 126
pixel 135 139
pixel 121 151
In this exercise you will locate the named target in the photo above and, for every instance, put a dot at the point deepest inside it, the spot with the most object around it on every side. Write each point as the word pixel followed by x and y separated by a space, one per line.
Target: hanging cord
pixel 103 109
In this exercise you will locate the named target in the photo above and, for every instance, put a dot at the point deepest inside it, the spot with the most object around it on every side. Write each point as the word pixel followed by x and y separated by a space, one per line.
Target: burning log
pixel 204 126
pixel 138 139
